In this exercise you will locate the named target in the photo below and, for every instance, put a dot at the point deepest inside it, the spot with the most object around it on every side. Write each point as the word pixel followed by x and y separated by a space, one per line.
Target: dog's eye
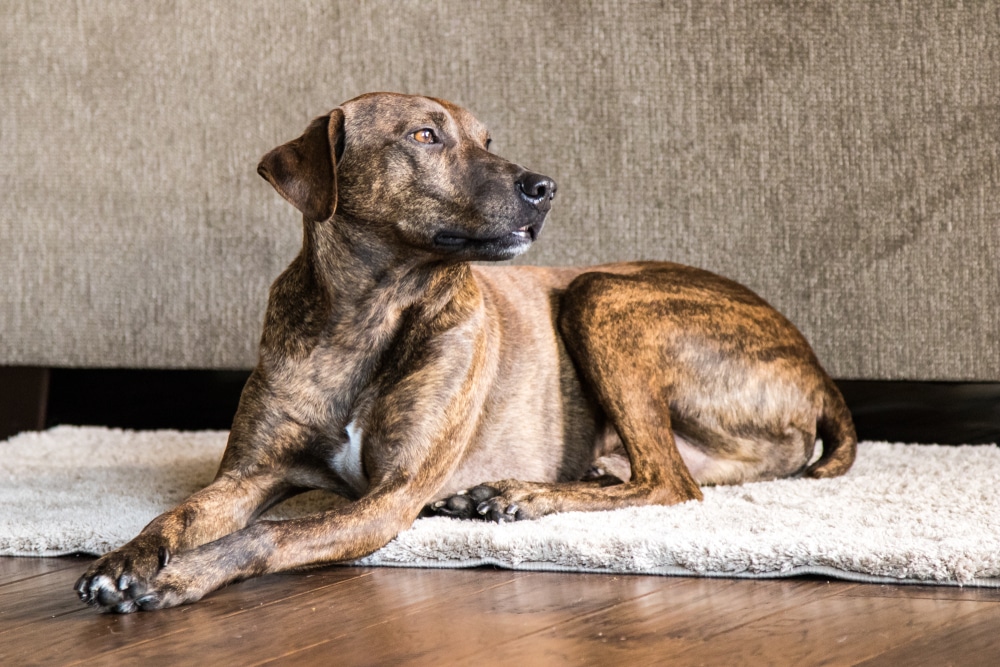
pixel 488 142
pixel 425 136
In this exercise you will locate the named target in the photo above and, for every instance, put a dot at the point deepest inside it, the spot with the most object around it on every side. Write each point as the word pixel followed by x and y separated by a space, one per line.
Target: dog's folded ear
pixel 304 171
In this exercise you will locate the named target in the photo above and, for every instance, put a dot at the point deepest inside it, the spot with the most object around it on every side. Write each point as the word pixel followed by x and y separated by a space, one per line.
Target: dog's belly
pixel 706 468
pixel 539 430
pixel 519 461
pixel 715 457
pixel 614 461
pixel 709 469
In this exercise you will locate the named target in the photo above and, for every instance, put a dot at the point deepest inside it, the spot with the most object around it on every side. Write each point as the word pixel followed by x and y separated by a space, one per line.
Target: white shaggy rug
pixel 904 514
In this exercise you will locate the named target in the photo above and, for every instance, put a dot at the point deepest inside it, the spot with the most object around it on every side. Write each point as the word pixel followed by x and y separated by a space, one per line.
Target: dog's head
pixel 416 168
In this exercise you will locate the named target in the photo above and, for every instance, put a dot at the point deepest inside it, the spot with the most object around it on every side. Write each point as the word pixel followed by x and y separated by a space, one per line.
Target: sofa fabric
pixel 840 158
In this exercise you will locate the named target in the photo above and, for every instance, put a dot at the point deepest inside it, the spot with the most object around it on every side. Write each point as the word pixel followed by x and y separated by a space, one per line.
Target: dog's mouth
pixel 522 236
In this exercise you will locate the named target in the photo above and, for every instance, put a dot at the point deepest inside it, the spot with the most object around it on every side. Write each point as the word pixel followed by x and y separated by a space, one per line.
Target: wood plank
pixel 16 568
pixel 971 640
pixel 347 616
pixel 38 599
pixel 492 616
pixel 668 622
pixel 304 620
pixel 45 623
pixel 929 592
pixel 840 629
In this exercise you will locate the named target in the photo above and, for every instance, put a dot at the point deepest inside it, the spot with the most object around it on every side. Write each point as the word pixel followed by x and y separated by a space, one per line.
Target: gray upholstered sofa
pixel 841 158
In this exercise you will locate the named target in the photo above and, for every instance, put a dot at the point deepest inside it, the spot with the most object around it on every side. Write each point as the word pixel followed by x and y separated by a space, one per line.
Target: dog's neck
pixel 351 286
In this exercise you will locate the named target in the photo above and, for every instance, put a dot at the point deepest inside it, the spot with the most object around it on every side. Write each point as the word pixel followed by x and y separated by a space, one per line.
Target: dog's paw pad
pixel 458 505
pixel 463 504
pixel 481 493
pixel 104 592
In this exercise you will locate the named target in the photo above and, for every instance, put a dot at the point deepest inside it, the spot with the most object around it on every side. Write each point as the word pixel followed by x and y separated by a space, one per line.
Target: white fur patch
pixel 347 460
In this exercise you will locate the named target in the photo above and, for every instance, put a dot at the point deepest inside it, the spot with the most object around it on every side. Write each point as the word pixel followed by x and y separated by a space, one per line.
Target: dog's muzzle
pixel 536 193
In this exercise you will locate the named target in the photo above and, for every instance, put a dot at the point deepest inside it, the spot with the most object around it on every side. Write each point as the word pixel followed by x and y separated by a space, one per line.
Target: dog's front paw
pixel 114 581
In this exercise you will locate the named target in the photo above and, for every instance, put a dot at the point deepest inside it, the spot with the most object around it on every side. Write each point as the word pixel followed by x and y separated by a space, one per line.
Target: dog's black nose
pixel 537 189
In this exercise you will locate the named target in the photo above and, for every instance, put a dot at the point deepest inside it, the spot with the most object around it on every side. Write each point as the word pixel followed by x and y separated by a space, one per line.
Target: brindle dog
pixel 395 373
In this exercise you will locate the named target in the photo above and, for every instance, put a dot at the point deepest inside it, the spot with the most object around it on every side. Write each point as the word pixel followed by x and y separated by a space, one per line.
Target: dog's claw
pixel 148 602
pixel 107 593
pixel 81 589
pixel 496 510
pixel 508 514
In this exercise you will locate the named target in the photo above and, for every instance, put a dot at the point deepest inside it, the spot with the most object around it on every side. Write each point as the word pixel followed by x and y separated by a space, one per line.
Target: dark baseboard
pixel 24 396
pixel 924 412
pixel 185 400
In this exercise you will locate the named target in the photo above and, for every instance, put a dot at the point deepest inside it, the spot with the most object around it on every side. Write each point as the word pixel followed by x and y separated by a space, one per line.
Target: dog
pixel 396 373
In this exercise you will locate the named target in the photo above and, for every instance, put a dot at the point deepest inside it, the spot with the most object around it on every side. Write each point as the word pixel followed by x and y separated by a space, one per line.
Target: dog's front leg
pixel 409 456
pixel 246 484
pixel 117 578
pixel 413 439
pixel 406 471
pixel 275 546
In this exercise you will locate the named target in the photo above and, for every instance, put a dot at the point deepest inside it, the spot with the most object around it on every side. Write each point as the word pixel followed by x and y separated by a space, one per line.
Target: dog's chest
pixel 332 460
pixel 322 393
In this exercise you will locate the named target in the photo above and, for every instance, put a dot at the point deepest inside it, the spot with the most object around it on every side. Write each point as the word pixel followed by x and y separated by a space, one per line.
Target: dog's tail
pixel 836 429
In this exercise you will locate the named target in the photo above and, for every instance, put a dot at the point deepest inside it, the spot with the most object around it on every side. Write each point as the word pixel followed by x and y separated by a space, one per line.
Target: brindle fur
pixel 448 375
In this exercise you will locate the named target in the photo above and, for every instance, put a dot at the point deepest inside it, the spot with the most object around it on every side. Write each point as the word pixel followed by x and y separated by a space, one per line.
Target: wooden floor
pixel 355 616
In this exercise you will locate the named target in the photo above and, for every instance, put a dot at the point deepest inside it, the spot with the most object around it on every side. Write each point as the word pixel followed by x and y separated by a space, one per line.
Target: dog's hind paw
pixel 464 504
pixel 500 502
pixel 501 510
